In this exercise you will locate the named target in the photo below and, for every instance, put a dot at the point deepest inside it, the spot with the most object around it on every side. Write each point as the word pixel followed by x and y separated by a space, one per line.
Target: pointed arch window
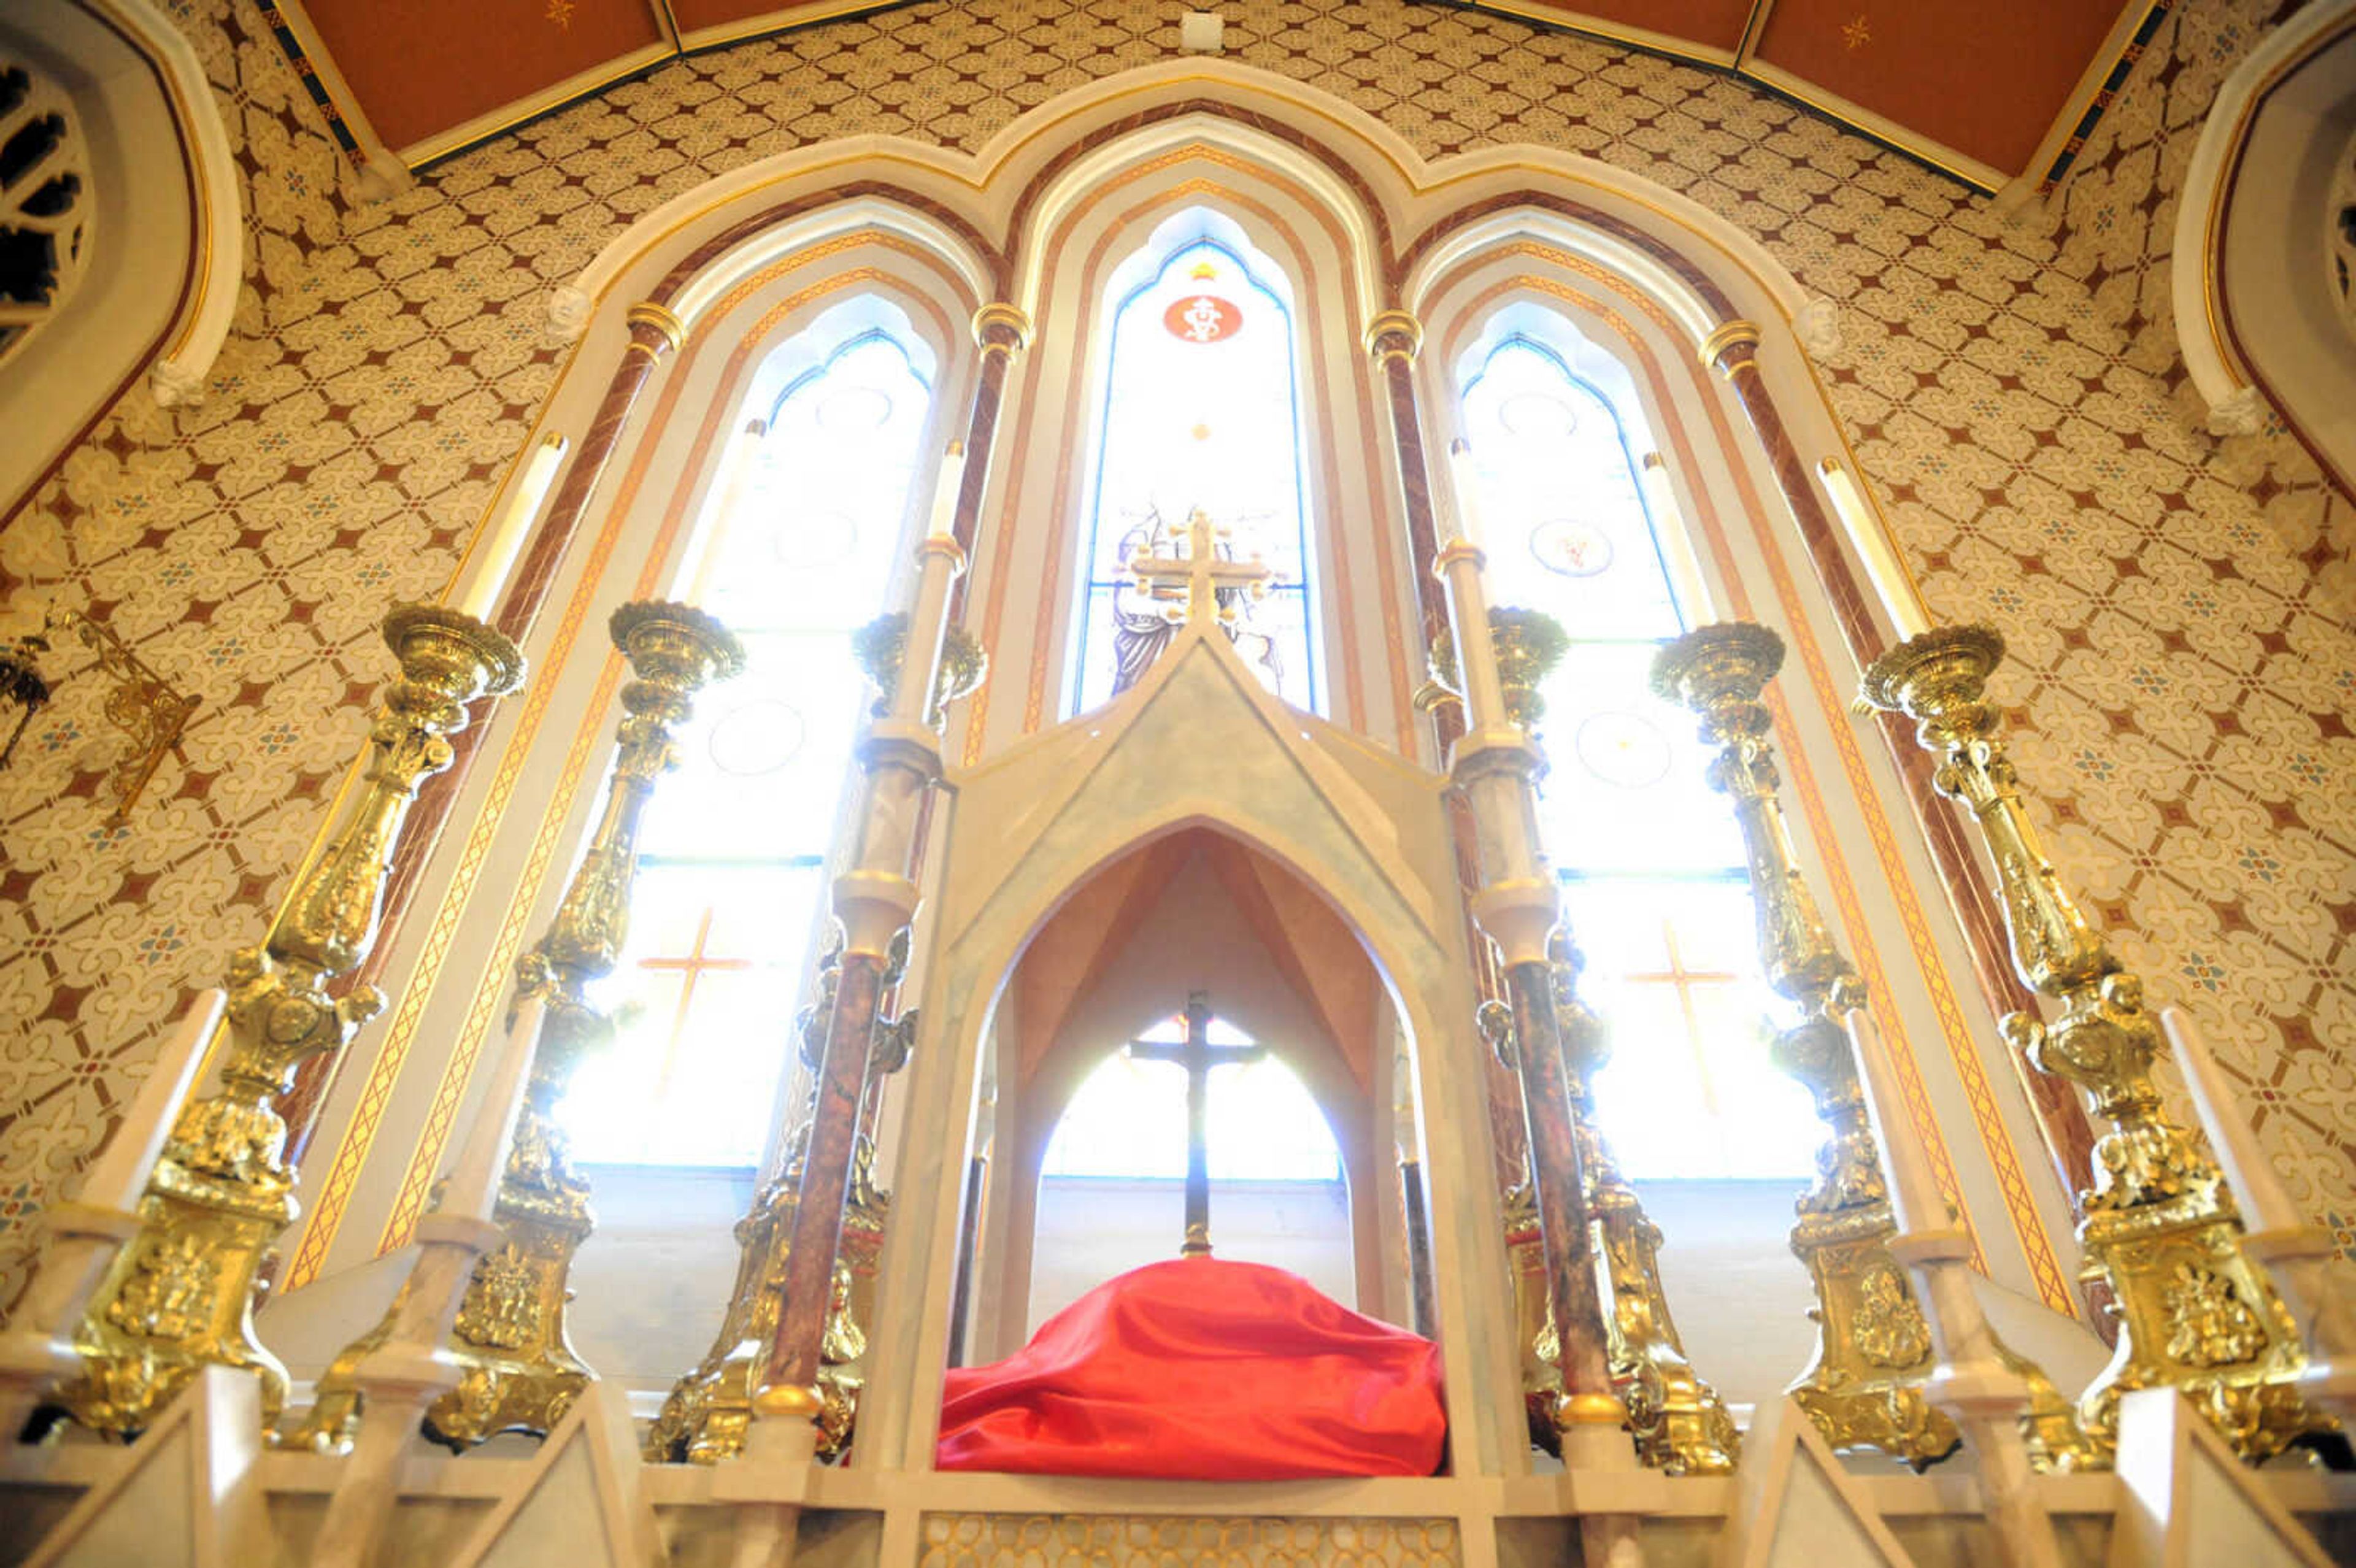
pixel 1201 409
pixel 1650 859
pixel 799 546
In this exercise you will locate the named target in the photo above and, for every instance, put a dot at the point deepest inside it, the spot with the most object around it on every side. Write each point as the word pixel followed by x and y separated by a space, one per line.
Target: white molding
pixel 1418 193
pixel 218 245
pixel 2213 364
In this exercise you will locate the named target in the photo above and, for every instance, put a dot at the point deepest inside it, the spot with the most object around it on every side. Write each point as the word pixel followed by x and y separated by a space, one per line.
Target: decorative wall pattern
pixel 2115 219
pixel 2182 683
pixel 1112 1540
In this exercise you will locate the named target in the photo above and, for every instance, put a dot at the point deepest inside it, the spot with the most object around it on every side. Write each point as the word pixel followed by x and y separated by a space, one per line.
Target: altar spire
pixel 1198 1055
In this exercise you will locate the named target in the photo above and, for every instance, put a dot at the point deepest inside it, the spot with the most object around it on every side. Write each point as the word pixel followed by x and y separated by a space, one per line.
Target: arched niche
pixel 1161 764
pixel 1196 909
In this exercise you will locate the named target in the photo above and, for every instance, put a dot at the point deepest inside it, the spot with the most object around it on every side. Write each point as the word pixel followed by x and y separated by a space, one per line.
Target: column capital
pixel 650 313
pixel 1732 345
pixel 1394 334
pixel 1002 327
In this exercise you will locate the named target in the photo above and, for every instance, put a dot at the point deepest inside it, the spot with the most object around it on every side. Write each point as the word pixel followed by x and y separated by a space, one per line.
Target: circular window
pixel 758 738
pixel 1570 547
pixel 1623 749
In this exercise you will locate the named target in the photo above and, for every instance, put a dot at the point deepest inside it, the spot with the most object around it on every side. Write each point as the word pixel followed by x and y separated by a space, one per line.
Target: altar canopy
pixel 1202 1369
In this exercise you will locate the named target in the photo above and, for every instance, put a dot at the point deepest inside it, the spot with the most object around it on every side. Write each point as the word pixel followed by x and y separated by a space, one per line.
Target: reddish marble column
pixel 1394 339
pixel 654 333
pixel 841 1072
pixel 1560 1184
pixel 1002 332
pixel 1732 350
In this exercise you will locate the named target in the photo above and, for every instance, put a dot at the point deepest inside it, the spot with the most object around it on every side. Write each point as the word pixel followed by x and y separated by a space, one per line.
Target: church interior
pixel 1384 783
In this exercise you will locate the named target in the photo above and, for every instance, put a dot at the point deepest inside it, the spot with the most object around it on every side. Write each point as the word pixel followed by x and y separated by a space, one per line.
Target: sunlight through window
pixel 1650 860
pixel 1128 1119
pixel 1201 409
pixel 732 868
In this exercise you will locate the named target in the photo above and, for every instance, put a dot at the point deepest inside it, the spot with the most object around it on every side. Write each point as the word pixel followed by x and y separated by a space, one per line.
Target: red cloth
pixel 1202 1369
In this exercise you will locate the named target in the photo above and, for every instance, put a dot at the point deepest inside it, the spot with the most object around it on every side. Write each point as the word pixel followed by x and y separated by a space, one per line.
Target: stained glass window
pixel 1128 1119
pixel 732 872
pixel 1650 858
pixel 1201 411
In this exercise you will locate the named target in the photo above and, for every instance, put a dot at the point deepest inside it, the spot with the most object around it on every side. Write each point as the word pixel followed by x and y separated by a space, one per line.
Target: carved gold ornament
pixel 883 643
pixel 1874 1348
pixel 509 1334
pixel 2159 1225
pixel 1679 1424
pixel 1529 645
pixel 180 1294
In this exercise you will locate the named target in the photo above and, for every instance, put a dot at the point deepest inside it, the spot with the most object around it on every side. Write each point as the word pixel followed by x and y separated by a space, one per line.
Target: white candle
pixel 1891 583
pixel 945 497
pixel 1669 527
pixel 476 592
pixel 1467 487
pixel 2264 1205
pixel 739 473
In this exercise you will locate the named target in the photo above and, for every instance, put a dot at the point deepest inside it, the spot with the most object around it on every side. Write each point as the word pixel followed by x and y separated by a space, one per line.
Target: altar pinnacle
pixel 1198 1055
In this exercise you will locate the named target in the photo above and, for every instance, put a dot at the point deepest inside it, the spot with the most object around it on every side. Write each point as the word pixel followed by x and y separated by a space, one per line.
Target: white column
pixel 404 1375
pixel 1972 1383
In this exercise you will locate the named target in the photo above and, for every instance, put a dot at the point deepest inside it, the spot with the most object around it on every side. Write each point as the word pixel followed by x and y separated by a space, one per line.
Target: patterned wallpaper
pixel 2182 685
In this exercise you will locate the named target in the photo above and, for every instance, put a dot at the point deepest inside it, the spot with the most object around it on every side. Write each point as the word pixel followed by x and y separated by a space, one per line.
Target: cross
pixel 1203 573
pixel 1198 1055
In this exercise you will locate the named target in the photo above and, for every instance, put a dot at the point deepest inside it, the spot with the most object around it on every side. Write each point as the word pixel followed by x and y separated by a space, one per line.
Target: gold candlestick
pixel 2160 1226
pixel 709 1411
pixel 1679 1423
pixel 180 1293
pixel 1874 1348
pixel 520 1372
pixel 1529 644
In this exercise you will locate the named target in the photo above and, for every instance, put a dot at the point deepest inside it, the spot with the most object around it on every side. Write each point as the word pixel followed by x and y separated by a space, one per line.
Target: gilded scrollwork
pixel 2160 1226
pixel 180 1292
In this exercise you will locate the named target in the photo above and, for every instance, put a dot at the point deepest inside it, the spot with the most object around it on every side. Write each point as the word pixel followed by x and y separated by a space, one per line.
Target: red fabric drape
pixel 1199 1369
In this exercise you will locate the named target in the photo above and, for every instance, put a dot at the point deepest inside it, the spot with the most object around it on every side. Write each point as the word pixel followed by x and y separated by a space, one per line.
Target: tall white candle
pixel 944 495
pixel 476 592
pixel 738 474
pixel 2265 1206
pixel 1677 544
pixel 1891 583
pixel 1466 483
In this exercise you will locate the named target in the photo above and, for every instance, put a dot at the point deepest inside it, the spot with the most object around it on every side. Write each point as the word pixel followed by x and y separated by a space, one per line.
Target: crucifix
pixel 1198 1055
pixel 1203 571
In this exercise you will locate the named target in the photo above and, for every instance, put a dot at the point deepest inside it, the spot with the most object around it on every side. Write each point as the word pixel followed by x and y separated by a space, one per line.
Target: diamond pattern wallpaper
pixel 2180 606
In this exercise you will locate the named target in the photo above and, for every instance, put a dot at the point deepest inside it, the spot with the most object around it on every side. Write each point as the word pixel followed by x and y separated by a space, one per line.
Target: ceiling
pixel 1989 91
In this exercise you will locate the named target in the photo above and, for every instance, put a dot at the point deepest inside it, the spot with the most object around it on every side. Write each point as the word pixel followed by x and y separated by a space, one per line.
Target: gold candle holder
pixel 709 1411
pixel 521 1372
pixel 881 646
pixel 1679 1423
pixel 1529 644
pixel 1864 1386
pixel 2160 1227
pixel 1875 1350
pixel 180 1294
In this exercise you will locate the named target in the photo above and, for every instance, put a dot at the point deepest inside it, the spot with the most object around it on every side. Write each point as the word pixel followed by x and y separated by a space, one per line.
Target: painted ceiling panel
pixel 730 18
pixel 421 68
pixel 1712 24
pixel 1986 78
